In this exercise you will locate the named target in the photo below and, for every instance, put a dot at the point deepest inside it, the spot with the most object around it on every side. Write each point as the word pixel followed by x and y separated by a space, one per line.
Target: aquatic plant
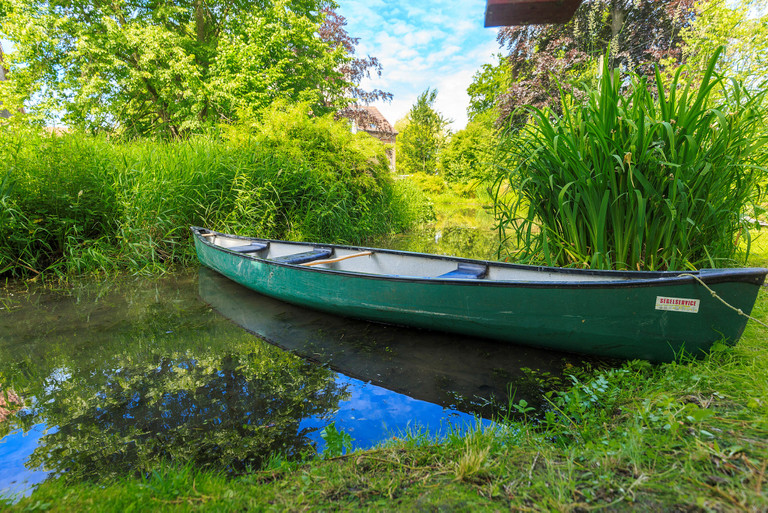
pixel 651 178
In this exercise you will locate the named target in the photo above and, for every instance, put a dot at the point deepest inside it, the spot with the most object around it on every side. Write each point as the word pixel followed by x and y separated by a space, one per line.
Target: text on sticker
pixel 677 304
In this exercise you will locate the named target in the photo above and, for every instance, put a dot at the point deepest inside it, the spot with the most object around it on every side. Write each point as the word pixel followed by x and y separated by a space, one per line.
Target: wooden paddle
pixel 339 259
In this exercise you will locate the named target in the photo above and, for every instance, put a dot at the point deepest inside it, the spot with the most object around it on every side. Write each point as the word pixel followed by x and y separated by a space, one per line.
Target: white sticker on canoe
pixel 677 304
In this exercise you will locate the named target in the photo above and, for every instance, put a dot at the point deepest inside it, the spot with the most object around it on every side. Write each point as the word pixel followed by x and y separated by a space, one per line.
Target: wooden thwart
pixel 339 259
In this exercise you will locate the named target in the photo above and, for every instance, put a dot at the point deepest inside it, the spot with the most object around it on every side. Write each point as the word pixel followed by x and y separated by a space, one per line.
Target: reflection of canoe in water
pixel 623 314
pixel 446 369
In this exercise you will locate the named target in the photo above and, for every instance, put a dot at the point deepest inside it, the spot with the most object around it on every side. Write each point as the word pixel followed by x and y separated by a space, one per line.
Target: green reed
pixel 635 177
pixel 77 204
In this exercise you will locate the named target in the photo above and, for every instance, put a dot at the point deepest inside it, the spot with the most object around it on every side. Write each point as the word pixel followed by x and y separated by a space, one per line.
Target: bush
pixel 468 155
pixel 636 180
pixel 76 204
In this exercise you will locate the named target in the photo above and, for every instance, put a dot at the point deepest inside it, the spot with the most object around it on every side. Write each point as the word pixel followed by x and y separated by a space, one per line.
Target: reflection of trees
pixel 226 412
pixel 127 377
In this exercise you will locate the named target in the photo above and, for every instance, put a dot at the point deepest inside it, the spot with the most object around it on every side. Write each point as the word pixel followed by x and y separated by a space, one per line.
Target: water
pixel 468 242
pixel 117 377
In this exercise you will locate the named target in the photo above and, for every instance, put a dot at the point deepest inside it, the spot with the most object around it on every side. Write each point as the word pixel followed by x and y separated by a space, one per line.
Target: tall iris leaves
pixel 633 178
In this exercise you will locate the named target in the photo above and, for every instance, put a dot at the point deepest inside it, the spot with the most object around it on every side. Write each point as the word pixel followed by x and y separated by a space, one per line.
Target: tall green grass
pixel 79 204
pixel 636 177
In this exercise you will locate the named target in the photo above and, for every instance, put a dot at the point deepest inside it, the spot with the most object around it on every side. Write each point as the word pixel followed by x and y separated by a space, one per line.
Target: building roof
pixel 369 119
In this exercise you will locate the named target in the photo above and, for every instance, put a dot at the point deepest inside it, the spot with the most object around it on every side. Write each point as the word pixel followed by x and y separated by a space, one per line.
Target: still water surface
pixel 118 376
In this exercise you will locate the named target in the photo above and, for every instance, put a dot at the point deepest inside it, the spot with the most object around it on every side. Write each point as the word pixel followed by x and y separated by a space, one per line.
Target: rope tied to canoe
pixel 723 301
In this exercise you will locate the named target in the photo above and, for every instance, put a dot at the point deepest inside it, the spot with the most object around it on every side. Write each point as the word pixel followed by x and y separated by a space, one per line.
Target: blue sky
pixel 421 44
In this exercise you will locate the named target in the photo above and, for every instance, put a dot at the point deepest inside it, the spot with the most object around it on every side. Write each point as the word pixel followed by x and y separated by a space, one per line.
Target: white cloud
pixel 436 45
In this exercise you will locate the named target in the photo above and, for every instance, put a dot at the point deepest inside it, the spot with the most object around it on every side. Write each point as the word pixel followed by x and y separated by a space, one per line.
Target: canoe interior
pixel 410 265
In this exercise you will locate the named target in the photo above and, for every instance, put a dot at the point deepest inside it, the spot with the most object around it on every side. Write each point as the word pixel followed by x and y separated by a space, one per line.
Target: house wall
pixel 387 138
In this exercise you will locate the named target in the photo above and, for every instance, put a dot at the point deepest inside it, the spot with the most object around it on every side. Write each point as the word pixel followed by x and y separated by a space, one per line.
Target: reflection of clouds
pixel 57 377
pixel 429 45
pixel 373 414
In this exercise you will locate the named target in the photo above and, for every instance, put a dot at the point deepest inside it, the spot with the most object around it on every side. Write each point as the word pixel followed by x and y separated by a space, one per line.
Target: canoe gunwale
pixel 650 279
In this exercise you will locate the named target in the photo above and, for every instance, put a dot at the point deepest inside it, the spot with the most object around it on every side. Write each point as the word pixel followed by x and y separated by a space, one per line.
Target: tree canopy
pixel 741 29
pixel 176 66
pixel 540 58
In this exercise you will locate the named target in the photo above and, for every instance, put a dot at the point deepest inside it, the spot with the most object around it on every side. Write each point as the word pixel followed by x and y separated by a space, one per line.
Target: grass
pixel 77 204
pixel 456 219
pixel 454 204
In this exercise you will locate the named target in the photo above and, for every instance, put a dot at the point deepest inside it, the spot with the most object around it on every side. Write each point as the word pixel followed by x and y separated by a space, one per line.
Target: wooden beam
pixel 528 12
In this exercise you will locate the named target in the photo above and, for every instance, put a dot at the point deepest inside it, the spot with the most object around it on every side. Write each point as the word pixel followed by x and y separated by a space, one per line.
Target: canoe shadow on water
pixel 473 375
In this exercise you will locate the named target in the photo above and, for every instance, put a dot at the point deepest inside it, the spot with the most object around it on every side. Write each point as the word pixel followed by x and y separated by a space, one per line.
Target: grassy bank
pixel 77 204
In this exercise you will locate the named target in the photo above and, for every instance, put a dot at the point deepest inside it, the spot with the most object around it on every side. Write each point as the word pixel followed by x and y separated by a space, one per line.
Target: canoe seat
pixel 467 272
pixel 250 248
pixel 301 258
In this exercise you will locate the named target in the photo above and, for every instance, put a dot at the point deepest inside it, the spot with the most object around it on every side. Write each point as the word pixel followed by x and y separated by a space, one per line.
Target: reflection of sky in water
pixel 15 478
pixel 373 414
pixel 426 365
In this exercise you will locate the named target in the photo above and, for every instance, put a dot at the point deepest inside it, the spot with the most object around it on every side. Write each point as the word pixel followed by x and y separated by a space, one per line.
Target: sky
pixel 420 44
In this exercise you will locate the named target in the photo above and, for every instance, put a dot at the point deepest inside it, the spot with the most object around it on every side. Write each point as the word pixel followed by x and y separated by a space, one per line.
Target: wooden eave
pixel 528 12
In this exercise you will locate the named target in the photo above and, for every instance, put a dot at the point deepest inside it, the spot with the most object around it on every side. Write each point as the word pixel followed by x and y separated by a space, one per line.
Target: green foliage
pixel 487 84
pixel 422 136
pixel 274 54
pixel 336 442
pixel 741 28
pixel 468 156
pixel 430 184
pixel 76 204
pixel 632 181
pixel 168 69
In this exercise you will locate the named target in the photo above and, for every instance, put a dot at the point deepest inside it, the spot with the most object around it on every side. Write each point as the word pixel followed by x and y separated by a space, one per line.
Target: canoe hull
pixel 606 320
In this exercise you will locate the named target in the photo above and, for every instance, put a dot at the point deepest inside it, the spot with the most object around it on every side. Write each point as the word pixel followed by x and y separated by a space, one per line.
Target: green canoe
pixel 618 314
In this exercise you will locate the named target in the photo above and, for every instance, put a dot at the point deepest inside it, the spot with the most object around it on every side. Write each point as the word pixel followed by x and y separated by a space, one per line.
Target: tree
pixel 3 113
pixel 486 84
pixel 173 67
pixel 275 54
pixel 542 58
pixel 422 135
pixel 355 69
pixel 741 28
pixel 468 154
